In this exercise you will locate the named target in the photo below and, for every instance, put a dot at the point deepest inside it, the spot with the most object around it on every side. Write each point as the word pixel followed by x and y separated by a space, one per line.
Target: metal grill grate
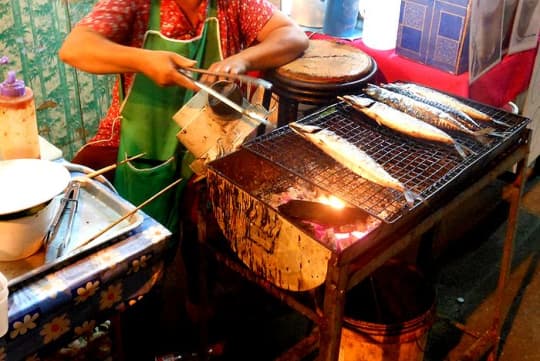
pixel 422 167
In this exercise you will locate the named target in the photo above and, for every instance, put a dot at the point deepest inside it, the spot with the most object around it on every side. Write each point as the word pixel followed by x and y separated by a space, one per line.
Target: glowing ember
pixel 337 237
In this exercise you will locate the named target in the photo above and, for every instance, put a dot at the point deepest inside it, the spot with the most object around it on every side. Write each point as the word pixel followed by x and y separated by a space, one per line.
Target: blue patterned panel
pixel 413 30
pixel 435 32
pixel 448 36
pixel 450 26
pixel 412 39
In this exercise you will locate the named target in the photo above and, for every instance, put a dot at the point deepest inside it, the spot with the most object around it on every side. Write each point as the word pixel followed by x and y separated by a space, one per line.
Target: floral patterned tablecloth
pixel 69 302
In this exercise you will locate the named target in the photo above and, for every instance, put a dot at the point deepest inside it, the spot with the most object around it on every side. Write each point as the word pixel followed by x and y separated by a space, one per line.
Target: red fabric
pixel 497 87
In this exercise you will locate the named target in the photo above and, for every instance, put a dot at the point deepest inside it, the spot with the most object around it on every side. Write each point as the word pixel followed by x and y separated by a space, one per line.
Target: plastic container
pixel 340 18
pixel 381 21
pixel 18 123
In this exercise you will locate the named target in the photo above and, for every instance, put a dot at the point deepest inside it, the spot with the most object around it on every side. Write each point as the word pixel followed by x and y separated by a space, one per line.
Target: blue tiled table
pixel 58 306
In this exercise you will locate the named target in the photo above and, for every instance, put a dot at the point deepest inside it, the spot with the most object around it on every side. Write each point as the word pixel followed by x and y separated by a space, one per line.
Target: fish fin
pixel 411 197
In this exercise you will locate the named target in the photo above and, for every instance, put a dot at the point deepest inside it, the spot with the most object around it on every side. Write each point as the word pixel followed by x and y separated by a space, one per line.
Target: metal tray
pixel 98 207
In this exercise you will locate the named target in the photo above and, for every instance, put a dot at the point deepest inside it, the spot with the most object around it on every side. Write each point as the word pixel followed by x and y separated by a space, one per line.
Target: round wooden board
pixel 327 61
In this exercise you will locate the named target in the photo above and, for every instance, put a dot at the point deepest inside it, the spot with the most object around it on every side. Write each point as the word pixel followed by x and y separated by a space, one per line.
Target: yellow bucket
pixel 388 316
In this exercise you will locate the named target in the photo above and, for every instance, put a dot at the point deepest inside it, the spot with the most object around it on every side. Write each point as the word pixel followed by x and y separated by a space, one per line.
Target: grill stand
pixel 348 269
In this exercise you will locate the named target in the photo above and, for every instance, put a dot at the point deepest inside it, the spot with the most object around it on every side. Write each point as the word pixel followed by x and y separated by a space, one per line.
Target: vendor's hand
pixel 235 64
pixel 162 67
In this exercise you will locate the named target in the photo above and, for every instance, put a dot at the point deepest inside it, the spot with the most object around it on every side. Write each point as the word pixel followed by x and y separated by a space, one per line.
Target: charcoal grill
pixel 282 248
pixel 283 254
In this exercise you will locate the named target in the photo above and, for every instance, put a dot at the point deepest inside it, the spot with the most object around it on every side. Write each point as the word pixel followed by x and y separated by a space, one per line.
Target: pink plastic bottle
pixel 18 123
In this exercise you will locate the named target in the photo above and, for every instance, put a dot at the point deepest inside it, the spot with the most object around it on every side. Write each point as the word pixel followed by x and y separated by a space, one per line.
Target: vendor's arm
pixel 279 41
pixel 99 55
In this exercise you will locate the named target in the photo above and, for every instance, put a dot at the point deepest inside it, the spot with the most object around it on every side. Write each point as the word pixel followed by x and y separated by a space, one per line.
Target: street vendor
pixel 146 42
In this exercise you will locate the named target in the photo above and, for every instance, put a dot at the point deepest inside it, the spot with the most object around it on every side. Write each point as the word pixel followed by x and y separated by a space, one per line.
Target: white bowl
pixel 27 191
pixel 26 183
pixel 21 237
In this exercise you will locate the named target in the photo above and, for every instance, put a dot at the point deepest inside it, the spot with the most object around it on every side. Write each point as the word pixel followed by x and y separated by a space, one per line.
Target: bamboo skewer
pixel 129 214
pixel 71 196
pixel 112 166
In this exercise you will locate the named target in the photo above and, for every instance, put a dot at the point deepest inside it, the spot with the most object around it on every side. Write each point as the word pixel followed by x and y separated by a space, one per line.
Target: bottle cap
pixel 12 87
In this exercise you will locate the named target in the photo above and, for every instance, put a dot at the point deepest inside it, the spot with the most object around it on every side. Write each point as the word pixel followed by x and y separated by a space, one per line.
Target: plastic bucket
pixel 340 18
pixel 381 22
pixel 388 316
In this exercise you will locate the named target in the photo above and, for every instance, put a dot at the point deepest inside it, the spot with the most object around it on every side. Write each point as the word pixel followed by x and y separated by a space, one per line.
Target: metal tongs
pixel 68 205
pixel 251 113
pixel 241 77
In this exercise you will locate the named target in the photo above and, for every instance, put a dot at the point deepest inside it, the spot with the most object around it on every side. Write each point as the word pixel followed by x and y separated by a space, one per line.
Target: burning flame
pixel 332 201
pixel 342 238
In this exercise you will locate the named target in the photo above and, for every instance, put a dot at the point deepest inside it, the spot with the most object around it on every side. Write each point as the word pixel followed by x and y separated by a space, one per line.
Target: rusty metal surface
pixel 425 168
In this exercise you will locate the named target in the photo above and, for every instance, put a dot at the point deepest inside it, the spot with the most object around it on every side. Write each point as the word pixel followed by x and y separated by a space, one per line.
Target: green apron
pixel 147 125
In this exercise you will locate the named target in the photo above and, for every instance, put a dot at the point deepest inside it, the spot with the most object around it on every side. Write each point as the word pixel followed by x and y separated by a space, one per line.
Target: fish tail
pixel 463 150
pixel 500 122
pixel 411 197
pixel 500 134
pixel 484 131
pixel 482 139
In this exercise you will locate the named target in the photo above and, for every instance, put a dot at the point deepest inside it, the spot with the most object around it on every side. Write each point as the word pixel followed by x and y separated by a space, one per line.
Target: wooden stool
pixel 326 70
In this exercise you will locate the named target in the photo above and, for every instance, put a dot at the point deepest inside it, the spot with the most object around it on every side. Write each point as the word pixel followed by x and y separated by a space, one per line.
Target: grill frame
pixel 425 168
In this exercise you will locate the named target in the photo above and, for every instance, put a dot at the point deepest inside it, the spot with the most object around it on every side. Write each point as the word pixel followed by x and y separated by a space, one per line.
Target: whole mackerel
pixel 426 112
pixel 402 122
pixel 460 116
pixel 351 157
pixel 449 101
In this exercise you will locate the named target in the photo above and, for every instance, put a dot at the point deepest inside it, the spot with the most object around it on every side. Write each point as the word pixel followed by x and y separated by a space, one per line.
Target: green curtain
pixel 69 103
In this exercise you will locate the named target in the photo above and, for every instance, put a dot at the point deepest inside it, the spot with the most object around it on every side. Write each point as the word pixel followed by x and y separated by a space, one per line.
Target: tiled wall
pixel 69 103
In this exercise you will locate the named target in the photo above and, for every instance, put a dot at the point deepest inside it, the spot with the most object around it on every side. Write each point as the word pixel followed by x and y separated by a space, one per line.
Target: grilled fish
pixel 402 122
pixel 460 116
pixel 416 108
pixel 447 100
pixel 426 112
pixel 351 157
